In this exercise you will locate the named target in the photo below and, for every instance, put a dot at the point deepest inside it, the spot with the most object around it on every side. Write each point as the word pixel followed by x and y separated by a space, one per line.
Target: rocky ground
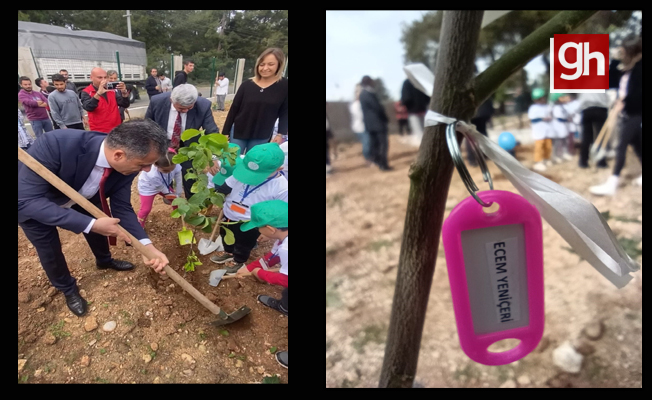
pixel 593 331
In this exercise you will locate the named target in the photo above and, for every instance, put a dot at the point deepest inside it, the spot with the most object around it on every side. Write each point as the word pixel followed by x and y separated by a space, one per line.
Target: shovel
pixel 217 275
pixel 207 246
pixel 185 236
pixel 599 147
pixel 55 181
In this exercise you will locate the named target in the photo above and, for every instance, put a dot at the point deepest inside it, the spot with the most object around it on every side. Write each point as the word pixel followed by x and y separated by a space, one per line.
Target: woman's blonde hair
pixel 280 58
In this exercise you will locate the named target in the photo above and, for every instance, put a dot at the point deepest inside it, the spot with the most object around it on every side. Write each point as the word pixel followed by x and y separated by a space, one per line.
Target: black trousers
pixel 378 147
pixel 631 133
pixel 244 241
pixel 593 118
pixel 403 124
pixel 45 239
pixel 76 126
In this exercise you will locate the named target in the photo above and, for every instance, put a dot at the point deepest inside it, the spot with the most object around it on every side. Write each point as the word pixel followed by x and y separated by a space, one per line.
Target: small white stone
pixel 109 326
pixel 567 358
pixel 523 380
pixel 92 342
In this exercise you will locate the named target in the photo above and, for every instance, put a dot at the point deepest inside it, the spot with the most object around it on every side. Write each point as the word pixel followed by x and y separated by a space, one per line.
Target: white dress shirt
pixel 222 87
pixel 92 186
pixel 172 120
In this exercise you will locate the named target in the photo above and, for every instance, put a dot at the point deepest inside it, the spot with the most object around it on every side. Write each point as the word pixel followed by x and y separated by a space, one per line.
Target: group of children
pixel 256 190
pixel 554 128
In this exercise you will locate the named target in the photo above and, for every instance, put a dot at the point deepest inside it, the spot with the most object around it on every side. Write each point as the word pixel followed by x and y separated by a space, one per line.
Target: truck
pixel 44 50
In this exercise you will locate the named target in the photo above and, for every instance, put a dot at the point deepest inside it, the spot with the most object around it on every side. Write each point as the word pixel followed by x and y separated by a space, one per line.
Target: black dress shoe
pixel 77 304
pixel 117 265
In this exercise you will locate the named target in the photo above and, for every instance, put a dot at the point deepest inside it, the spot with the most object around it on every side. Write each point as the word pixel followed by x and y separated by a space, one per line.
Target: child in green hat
pixel 226 169
pixel 256 179
pixel 271 219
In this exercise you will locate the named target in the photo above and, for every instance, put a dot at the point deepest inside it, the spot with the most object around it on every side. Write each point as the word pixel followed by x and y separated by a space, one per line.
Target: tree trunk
pixel 430 179
pixel 456 95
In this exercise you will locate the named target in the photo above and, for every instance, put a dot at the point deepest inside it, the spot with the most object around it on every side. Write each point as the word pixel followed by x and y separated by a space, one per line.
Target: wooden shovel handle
pixel 55 181
pixel 217 224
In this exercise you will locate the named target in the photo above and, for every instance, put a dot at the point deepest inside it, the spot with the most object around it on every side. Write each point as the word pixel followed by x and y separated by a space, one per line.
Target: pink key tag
pixel 495 269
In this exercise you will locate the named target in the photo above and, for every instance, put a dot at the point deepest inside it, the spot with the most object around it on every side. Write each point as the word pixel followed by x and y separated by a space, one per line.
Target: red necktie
pixel 105 205
pixel 176 132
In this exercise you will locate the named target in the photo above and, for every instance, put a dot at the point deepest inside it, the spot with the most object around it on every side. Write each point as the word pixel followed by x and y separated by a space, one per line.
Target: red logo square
pixel 580 62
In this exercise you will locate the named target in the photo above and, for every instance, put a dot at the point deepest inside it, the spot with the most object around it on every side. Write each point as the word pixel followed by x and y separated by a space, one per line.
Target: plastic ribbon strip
pixel 572 216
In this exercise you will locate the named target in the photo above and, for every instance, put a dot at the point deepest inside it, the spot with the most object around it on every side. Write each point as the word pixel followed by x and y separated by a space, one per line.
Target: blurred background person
pixel 329 136
pixel 522 102
pixel 480 119
pixel 375 122
pixel 112 75
pixel 630 106
pixel 416 103
pixel 401 117
pixel 594 109
pixel 357 123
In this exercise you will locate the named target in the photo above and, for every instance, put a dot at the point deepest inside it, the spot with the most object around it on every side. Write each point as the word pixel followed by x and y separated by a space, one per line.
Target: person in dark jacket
pixel 416 103
pixel 153 84
pixel 375 121
pixel 630 104
pixel 181 77
pixel 480 119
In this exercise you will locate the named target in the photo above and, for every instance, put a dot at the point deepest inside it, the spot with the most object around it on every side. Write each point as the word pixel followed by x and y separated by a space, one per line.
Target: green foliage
pixel 213 39
pixel 272 379
pixel 191 262
pixel 420 39
pixel 224 332
pixel 273 349
pixel 228 237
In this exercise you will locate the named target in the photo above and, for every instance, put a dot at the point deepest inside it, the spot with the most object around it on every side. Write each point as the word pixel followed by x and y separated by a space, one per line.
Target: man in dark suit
pixel 153 84
pixel 98 166
pixel 375 122
pixel 177 111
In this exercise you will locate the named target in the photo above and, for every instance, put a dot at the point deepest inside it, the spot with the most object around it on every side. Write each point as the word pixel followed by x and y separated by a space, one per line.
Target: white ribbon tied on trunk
pixel 572 216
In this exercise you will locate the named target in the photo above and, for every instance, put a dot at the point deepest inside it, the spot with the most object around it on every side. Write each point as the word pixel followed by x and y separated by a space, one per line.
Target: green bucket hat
pixel 272 212
pixel 556 96
pixel 538 93
pixel 226 169
pixel 259 163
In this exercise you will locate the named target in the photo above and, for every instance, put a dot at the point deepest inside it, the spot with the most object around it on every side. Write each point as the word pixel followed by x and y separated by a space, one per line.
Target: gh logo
pixel 579 63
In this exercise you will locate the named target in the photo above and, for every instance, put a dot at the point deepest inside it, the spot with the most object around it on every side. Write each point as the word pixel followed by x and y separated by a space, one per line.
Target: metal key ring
pixel 456 155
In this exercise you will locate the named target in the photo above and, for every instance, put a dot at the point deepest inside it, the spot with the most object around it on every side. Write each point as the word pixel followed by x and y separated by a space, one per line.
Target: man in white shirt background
pixel 222 89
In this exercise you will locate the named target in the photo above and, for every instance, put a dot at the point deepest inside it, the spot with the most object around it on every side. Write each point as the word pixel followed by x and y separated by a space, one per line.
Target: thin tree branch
pixel 491 78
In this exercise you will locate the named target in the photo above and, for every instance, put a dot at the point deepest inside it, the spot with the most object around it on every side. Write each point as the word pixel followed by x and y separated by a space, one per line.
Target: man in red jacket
pixel 102 104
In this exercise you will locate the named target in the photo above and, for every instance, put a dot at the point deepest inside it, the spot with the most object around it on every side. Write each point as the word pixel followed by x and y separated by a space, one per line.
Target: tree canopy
pixel 195 34
pixel 421 38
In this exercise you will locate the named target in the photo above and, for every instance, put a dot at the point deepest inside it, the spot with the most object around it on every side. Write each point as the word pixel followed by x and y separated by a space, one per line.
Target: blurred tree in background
pixel 199 35
pixel 421 38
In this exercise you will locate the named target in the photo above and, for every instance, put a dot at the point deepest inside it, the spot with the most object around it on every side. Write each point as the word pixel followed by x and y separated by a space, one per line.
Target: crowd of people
pixel 557 120
pixel 99 155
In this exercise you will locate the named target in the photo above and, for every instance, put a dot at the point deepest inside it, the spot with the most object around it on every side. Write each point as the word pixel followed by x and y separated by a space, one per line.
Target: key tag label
pixel 495 269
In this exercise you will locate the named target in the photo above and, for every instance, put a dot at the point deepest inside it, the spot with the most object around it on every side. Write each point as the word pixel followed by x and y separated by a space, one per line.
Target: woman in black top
pixel 630 105
pixel 259 102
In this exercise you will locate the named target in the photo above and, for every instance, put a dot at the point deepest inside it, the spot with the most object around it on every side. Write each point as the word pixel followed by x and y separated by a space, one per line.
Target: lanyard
pixel 278 249
pixel 247 192
pixel 167 184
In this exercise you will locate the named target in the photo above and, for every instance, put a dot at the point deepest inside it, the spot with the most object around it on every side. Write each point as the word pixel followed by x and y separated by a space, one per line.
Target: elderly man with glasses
pixel 178 110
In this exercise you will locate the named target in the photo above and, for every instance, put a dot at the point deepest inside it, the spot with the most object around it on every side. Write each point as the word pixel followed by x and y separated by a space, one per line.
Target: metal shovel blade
pixel 225 318
pixel 216 276
pixel 205 246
